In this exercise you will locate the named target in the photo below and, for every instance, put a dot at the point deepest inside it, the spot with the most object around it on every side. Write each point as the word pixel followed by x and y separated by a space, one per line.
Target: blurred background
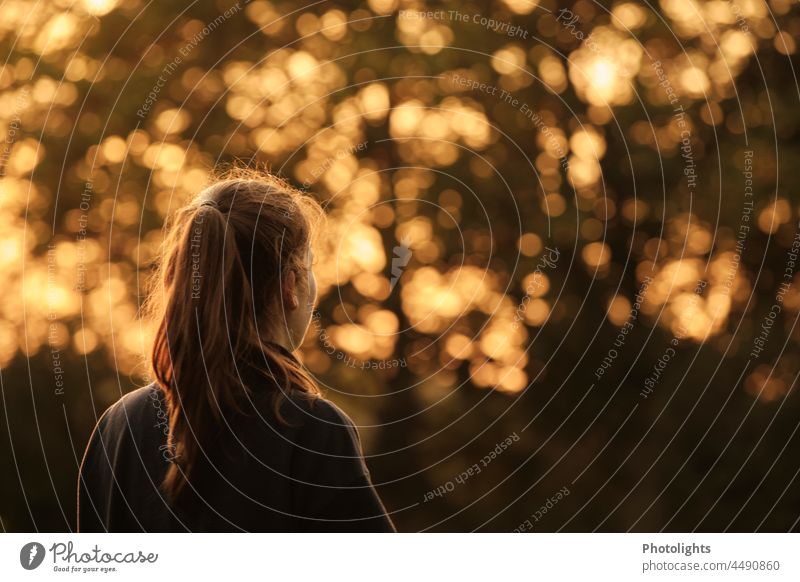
pixel 559 291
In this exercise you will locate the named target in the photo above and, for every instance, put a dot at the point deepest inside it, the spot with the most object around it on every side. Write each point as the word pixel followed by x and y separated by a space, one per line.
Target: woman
pixel 232 435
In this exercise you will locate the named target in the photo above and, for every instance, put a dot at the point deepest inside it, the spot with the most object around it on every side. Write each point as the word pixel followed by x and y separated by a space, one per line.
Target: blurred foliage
pixel 482 137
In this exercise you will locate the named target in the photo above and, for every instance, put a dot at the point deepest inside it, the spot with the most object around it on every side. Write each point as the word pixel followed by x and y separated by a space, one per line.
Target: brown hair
pixel 222 266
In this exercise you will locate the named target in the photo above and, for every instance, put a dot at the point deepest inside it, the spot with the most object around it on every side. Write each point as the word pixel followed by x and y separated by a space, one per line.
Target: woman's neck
pixel 281 338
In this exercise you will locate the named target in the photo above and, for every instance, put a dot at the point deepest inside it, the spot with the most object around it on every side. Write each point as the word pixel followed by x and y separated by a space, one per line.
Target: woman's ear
pixel 290 299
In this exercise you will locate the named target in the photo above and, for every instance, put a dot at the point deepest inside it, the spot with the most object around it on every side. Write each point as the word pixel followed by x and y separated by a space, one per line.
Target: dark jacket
pixel 258 475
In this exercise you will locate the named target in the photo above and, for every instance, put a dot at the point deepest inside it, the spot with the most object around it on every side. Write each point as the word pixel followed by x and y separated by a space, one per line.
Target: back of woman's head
pixel 218 302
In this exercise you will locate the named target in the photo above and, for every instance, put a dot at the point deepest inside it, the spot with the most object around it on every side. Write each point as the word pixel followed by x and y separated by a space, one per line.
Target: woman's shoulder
pixel 327 446
pixel 321 423
pixel 316 410
pixel 313 417
pixel 132 406
pixel 150 395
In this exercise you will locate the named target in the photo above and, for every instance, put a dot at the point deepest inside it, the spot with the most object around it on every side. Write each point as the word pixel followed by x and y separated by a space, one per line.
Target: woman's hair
pixel 219 280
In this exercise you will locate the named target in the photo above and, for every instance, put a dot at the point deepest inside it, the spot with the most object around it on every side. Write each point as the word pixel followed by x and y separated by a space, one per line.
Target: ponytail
pixel 211 303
